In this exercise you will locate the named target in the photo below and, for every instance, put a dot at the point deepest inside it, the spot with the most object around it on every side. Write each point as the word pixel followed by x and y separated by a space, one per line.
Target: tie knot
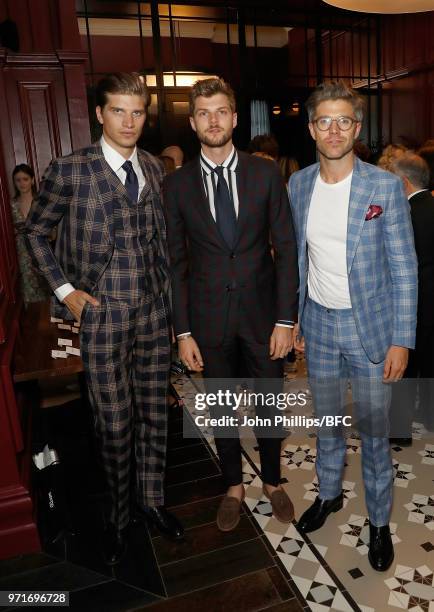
pixel 219 171
pixel 127 166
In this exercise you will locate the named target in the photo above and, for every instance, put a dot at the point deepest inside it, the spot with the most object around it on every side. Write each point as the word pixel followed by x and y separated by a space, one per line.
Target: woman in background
pixel 389 154
pixel 33 286
pixel 288 165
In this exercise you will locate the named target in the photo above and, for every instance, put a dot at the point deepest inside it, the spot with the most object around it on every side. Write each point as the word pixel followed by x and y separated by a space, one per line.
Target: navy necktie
pixel 131 182
pixel 224 209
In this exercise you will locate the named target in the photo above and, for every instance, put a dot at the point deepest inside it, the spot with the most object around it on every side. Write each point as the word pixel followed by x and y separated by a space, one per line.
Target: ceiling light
pixel 384 6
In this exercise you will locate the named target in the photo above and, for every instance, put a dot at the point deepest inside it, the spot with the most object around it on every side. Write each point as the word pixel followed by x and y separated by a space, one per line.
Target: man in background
pixel 176 153
pixel 414 172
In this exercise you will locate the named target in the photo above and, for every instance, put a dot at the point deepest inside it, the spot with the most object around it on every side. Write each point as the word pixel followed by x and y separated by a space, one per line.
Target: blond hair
pixel 211 87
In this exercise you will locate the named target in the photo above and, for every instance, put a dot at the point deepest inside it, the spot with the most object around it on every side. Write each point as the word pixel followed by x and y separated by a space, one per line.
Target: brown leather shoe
pixel 283 508
pixel 228 514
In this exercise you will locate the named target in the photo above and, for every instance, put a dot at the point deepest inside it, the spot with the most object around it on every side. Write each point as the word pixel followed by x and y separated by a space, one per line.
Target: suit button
pixel 232 255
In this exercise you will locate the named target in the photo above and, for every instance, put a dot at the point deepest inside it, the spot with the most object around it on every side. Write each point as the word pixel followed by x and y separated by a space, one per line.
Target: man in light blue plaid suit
pixel 357 304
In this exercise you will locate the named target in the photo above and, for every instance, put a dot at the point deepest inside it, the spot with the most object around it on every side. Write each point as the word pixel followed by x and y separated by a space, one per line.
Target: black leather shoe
pixel 113 546
pixel 166 523
pixel 316 515
pixel 401 441
pixel 380 548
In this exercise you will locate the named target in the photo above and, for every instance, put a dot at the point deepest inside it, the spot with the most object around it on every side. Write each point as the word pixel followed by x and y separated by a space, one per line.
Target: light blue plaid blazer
pixel 381 260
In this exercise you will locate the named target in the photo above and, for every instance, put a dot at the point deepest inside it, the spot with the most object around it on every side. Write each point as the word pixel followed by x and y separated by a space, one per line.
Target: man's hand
pixel 76 300
pixel 395 363
pixel 189 354
pixel 281 341
pixel 298 340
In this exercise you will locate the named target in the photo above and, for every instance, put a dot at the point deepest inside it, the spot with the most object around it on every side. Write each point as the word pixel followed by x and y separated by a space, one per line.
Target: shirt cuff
pixel 63 291
pixel 283 323
pixel 183 335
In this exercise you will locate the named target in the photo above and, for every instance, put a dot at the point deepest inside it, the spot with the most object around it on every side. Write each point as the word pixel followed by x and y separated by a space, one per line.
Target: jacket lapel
pixel 242 189
pixel 150 186
pixel 361 195
pixel 304 212
pixel 107 183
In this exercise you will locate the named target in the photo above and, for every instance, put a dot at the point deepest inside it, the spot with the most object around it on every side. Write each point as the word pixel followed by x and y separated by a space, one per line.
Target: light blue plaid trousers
pixel 335 354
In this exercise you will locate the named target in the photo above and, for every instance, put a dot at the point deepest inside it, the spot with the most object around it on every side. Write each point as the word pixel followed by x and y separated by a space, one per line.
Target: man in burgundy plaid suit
pixel 110 273
pixel 232 299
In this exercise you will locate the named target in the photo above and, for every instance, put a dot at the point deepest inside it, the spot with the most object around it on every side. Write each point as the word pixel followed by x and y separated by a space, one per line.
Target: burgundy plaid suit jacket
pixel 205 271
pixel 77 194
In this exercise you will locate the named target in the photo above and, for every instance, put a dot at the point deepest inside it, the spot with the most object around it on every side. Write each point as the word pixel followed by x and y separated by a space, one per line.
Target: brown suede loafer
pixel 228 514
pixel 283 508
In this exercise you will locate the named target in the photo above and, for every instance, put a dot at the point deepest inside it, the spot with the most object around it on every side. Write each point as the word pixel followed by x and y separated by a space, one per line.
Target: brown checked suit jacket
pixel 77 194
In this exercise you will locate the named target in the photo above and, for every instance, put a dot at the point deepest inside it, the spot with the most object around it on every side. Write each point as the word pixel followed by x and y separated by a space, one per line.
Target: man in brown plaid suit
pixel 232 300
pixel 110 273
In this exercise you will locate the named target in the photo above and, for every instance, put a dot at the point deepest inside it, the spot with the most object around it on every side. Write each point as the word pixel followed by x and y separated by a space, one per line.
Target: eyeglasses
pixel 325 123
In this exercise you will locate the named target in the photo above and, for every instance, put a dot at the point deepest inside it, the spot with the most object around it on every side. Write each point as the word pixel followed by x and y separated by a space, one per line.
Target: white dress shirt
pixel 415 193
pixel 210 178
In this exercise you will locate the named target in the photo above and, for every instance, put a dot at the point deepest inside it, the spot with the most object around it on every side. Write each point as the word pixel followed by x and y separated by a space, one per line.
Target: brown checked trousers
pixel 126 356
pixel 126 353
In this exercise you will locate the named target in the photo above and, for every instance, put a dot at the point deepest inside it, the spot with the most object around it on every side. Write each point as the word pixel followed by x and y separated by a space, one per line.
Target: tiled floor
pixel 330 568
pixel 262 565
pixel 209 571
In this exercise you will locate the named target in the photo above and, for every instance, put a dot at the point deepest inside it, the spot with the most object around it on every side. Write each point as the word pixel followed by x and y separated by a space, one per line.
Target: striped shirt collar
pixel 230 162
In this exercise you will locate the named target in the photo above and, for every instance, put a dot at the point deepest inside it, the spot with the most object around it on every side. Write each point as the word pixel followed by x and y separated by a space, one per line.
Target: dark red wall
pixel 408 109
pixel 109 53
pixel 44 114
pixel 406 70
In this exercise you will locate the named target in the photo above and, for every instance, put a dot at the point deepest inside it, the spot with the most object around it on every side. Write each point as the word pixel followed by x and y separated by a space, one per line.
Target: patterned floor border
pixel 315 575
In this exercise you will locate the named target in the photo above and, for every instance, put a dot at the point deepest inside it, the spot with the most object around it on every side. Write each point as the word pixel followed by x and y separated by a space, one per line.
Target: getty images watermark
pixel 332 407
pixel 225 400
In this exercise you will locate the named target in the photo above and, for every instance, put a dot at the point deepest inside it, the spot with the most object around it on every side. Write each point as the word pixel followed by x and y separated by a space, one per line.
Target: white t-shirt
pixel 327 243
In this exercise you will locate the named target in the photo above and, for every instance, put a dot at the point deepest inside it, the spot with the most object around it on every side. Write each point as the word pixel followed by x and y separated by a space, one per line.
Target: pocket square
pixel 373 211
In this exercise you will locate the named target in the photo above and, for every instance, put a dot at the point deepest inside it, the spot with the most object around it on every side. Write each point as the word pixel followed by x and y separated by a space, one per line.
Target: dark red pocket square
pixel 373 211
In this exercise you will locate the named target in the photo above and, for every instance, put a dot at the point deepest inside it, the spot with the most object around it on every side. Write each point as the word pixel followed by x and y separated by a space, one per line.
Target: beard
pixel 216 142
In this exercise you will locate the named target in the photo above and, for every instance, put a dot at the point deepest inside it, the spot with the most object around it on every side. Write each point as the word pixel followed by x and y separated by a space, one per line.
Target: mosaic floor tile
pixel 330 567
pixel 427 454
pixel 312 490
pixel 354 446
pixel 355 533
pixel 421 510
pixel 412 588
pixel 418 431
pixel 303 457
pixel 403 473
